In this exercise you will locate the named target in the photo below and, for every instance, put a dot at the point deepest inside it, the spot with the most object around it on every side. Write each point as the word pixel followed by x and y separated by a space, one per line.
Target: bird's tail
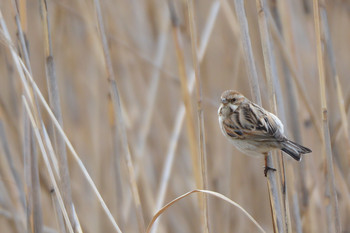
pixel 295 150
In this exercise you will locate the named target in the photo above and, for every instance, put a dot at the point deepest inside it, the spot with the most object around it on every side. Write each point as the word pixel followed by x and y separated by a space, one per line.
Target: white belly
pixel 250 147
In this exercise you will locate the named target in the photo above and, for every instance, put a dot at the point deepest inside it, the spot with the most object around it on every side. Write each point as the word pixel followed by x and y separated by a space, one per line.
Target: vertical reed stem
pixel 119 118
pixel 186 96
pixel 54 99
pixel 200 115
pixel 329 172
pixel 254 85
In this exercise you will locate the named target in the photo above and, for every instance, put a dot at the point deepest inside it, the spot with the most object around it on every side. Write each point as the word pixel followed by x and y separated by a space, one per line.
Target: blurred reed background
pixel 116 75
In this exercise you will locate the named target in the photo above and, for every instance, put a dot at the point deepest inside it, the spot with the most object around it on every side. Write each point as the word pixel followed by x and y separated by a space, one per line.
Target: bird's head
pixel 230 101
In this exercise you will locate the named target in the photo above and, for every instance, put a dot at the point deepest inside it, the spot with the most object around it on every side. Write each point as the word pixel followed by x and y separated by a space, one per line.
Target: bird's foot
pixel 267 168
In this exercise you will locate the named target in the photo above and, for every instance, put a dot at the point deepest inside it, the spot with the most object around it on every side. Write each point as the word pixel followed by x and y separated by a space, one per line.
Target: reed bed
pixel 108 115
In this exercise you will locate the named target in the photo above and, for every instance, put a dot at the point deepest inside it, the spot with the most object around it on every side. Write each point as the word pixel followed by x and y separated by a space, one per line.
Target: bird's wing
pixel 251 122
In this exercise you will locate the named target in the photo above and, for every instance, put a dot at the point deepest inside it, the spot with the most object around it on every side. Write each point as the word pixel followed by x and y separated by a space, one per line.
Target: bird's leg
pixel 267 168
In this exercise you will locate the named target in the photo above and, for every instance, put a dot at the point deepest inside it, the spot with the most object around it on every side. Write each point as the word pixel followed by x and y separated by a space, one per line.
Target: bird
pixel 253 130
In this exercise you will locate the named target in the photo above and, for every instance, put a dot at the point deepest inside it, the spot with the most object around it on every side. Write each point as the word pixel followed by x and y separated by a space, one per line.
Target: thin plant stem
pixel 298 186
pixel 167 167
pixel 208 192
pixel 335 78
pixel 248 52
pixel 151 104
pixel 292 95
pixel 185 96
pixel 200 115
pixel 33 204
pixel 47 163
pixel 28 90
pixel 255 91
pixel 20 65
pixel 295 74
pixel 54 99
pixel 327 149
pixel 119 118
pixel 275 98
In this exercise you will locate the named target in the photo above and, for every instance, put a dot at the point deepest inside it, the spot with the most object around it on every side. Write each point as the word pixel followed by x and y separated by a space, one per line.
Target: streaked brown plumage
pixel 252 129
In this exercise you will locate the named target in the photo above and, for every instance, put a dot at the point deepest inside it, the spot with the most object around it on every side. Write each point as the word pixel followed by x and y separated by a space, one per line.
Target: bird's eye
pixel 233 99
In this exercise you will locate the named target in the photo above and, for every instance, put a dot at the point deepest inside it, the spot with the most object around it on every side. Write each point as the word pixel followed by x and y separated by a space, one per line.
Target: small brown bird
pixel 253 130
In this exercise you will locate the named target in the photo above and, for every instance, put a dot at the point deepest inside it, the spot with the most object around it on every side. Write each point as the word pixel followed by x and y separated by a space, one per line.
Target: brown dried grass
pixel 133 142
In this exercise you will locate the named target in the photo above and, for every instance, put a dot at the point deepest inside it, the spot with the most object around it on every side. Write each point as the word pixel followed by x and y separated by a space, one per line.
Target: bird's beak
pixel 224 101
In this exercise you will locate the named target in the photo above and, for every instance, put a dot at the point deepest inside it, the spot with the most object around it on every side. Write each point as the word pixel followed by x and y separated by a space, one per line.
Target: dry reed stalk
pixel 200 115
pixel 282 18
pixel 36 216
pixel 334 221
pixel 5 112
pixel 190 123
pixel 167 167
pixel 254 85
pixel 118 171
pixel 20 8
pixel 37 220
pixel 284 11
pixel 8 43
pixel 134 45
pixel 36 108
pixel 21 68
pixel 150 109
pixel 234 27
pixel 295 74
pixel 336 82
pixel 207 192
pixel 49 148
pixel 32 184
pixel 275 99
pixel 284 192
pixel 119 118
pixel 47 163
pixel 34 213
pixel 54 100
pixel 151 101
pixel 53 191
pixel 74 153
pixel 28 90
pixel 27 150
pixel 56 206
pixel 295 203
pixel 248 51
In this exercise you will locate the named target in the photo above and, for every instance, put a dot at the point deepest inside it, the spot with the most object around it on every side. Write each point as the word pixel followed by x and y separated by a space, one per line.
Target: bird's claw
pixel 267 168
